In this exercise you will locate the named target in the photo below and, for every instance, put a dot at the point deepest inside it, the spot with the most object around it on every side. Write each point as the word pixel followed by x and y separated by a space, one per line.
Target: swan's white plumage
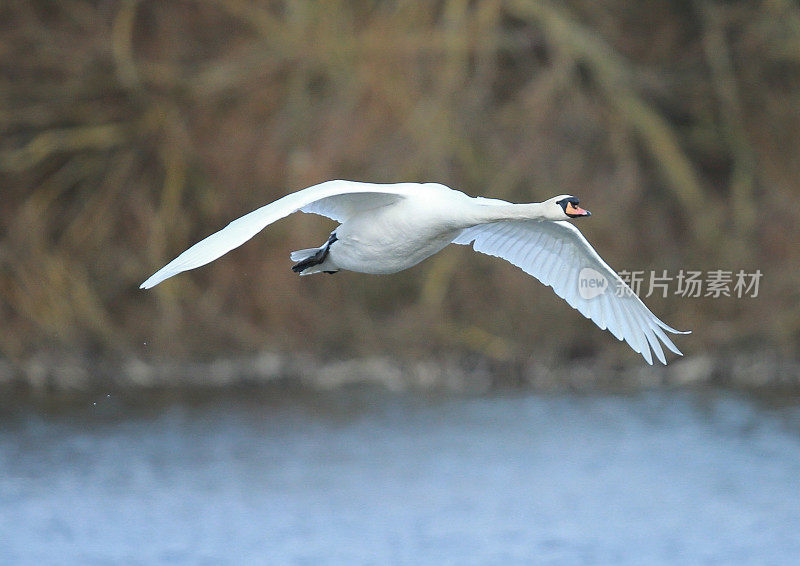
pixel 555 253
pixel 342 207
pixel 316 199
pixel 389 227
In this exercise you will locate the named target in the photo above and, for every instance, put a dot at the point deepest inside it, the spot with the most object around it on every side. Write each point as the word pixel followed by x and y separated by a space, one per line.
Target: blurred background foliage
pixel 131 129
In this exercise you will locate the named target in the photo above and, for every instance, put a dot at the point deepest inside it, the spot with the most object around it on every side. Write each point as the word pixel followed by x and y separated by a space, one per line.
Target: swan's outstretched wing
pixel 558 255
pixel 335 199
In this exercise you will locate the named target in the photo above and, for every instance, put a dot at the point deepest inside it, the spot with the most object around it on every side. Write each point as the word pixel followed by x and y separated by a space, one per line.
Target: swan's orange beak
pixel 575 211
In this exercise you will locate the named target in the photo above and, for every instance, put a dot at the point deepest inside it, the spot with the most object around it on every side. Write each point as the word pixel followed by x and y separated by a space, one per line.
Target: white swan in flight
pixel 385 228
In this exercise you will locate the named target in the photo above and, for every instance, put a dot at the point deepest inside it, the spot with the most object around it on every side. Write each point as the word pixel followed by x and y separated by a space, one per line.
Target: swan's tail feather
pixel 314 260
pixel 321 268
pixel 310 260
pixel 301 255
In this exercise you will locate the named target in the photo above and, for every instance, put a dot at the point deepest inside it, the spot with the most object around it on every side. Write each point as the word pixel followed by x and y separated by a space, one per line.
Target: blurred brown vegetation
pixel 131 129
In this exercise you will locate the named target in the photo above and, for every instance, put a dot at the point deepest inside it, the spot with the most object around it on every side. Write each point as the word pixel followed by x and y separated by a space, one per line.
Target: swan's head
pixel 565 207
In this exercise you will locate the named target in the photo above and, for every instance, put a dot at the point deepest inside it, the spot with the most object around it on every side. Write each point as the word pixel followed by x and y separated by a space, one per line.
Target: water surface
pixel 365 477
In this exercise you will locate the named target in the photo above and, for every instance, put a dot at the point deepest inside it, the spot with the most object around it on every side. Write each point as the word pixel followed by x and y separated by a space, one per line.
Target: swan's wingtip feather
pixel 668 328
pixel 660 354
pixel 153 280
pixel 675 331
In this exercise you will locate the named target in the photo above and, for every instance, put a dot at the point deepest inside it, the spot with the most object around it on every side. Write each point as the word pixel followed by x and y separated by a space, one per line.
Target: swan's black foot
pixel 317 258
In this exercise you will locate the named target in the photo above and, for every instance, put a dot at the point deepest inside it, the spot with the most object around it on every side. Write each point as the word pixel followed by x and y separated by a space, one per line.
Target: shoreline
pixel 54 374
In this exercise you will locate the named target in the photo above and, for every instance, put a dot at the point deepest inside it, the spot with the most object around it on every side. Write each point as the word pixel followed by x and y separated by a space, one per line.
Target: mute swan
pixel 386 228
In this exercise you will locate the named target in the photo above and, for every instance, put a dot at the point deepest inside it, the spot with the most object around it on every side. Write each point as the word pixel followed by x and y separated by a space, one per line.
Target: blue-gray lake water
pixel 364 477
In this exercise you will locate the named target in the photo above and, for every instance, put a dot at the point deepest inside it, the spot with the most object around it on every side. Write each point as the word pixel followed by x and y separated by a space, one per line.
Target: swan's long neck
pixel 486 213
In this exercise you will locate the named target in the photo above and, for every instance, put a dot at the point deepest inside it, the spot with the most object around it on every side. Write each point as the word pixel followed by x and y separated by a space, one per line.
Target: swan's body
pixel 392 238
pixel 389 228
